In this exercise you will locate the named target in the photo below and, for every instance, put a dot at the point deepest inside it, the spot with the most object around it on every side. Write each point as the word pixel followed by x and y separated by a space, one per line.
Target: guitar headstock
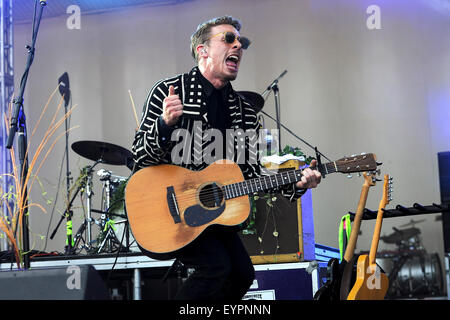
pixel 387 191
pixel 357 163
pixel 370 178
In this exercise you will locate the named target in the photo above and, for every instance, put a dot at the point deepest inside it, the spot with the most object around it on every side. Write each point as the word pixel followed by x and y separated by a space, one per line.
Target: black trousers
pixel 223 268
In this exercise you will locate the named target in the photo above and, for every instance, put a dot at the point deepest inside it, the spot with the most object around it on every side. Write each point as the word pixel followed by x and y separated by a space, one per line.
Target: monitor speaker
pixel 67 283
pixel 444 183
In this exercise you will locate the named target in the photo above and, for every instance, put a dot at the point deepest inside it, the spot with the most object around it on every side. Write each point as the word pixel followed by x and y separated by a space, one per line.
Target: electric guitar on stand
pixel 371 283
pixel 330 291
pixel 169 206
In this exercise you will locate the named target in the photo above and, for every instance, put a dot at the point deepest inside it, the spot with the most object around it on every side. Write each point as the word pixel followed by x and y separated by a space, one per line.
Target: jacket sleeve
pixel 152 141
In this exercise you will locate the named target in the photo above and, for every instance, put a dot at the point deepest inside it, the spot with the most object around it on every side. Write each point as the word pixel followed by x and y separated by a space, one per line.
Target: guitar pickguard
pixel 197 215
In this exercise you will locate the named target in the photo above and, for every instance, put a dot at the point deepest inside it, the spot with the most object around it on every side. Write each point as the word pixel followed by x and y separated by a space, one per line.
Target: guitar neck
pixel 376 236
pixel 350 250
pixel 264 183
pixel 377 230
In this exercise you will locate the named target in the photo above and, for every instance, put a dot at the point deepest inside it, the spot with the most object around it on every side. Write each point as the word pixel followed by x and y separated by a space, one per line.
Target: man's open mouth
pixel 232 61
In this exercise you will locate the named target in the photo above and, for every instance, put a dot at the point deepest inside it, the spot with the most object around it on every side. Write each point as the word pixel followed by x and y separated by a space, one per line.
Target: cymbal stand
pixel 86 225
pixel 88 220
pixel 71 243
pixel 110 235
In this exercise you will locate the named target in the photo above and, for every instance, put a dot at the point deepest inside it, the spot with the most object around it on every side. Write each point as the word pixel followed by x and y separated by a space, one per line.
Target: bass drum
pixel 118 214
pixel 121 226
pixel 420 276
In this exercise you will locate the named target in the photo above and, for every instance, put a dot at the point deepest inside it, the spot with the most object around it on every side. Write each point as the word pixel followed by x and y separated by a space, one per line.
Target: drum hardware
pixel 412 271
pixel 106 223
pixel 86 185
pixel 99 152
pixel 83 182
pixel 416 274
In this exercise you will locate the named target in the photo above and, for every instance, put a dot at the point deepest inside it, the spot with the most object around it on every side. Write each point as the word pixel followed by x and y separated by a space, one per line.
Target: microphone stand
pixel 18 123
pixel 318 153
pixel 274 87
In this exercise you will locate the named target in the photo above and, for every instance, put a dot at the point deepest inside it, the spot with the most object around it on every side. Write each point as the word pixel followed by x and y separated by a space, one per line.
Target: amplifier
pixel 282 231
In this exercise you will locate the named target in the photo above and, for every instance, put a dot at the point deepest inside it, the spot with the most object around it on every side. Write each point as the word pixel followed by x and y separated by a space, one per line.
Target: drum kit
pixel 413 273
pixel 114 233
pixel 113 228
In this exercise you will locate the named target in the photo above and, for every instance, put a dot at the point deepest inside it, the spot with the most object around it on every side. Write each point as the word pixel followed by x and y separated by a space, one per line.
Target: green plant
pixel 15 201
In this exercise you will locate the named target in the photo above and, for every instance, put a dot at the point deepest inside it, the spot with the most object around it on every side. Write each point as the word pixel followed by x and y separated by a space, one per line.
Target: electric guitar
pixel 330 291
pixel 371 283
pixel 169 206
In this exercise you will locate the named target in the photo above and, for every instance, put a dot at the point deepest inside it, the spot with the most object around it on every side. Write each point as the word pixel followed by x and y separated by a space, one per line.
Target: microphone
pixel 274 83
pixel 64 87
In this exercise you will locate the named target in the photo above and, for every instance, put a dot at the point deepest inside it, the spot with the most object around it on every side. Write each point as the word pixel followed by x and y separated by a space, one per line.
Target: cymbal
pixel 412 222
pixel 255 99
pixel 103 152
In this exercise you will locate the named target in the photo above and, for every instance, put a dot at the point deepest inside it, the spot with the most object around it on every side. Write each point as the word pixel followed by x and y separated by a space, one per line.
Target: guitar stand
pixel 401 211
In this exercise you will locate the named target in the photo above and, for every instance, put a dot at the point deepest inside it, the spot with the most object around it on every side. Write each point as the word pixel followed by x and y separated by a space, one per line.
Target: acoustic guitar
pixel 330 291
pixel 371 283
pixel 169 206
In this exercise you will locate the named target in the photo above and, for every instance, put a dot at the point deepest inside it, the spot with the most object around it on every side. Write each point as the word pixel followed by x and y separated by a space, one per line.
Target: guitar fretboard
pixel 263 183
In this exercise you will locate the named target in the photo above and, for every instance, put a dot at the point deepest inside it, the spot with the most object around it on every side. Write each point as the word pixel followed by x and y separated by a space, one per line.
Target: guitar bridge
pixel 173 205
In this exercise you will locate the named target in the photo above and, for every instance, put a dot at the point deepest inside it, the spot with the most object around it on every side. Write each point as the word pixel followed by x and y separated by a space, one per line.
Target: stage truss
pixel 6 92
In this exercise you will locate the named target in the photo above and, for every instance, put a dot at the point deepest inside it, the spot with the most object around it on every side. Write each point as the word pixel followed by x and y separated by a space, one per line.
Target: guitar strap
pixel 345 229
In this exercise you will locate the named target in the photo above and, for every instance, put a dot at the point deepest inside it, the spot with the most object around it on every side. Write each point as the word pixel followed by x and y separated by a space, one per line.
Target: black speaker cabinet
pixel 280 230
pixel 444 182
pixel 68 283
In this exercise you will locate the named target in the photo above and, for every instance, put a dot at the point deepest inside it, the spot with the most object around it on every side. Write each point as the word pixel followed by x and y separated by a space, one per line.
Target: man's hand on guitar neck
pixel 310 178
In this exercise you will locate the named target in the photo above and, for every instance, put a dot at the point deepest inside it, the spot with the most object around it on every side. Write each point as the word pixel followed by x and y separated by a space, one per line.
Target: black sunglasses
pixel 229 37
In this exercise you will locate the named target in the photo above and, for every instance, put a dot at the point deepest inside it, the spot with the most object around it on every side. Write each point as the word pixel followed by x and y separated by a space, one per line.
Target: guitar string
pixel 228 192
pixel 246 187
pixel 250 184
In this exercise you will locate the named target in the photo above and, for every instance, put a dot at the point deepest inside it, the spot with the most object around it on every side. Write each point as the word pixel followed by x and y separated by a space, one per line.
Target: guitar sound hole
pixel 211 195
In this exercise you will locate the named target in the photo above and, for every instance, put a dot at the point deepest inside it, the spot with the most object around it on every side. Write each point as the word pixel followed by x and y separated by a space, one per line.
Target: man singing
pixel 204 99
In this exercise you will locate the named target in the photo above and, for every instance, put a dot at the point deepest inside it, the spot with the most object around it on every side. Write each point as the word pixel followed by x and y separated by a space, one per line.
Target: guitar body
pixel 348 277
pixel 330 290
pixel 196 196
pixel 371 283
